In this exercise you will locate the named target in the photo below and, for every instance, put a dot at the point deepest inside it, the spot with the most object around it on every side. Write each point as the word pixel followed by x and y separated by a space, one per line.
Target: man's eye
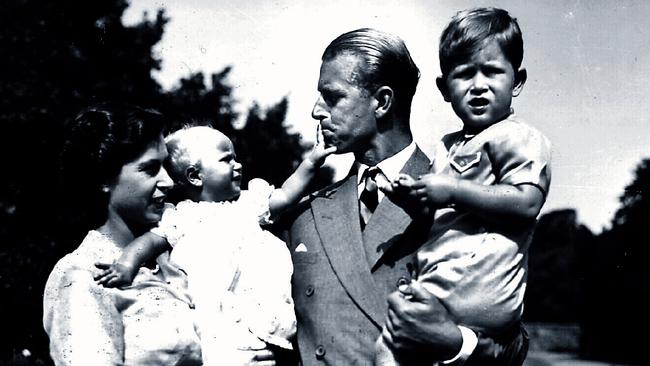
pixel 331 99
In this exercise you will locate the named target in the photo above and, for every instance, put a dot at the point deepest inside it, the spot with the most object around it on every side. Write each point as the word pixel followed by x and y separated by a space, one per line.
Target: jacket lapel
pixel 389 220
pixel 336 216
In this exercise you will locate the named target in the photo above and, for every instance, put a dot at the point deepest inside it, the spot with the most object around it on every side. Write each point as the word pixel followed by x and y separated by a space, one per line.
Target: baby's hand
pixel 319 152
pixel 115 275
pixel 436 190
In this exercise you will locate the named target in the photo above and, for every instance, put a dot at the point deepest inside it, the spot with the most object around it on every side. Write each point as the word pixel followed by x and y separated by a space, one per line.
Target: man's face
pixel 346 111
pixel 481 88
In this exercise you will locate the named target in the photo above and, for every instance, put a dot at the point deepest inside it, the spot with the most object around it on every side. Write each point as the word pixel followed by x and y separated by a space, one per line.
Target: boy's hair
pixel 470 29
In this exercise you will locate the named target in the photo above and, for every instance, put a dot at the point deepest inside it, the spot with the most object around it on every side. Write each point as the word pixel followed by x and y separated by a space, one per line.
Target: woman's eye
pixel 152 169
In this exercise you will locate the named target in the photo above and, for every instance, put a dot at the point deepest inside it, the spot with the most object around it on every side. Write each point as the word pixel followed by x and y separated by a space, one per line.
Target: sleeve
pixel 257 199
pixel 81 320
pixel 509 350
pixel 521 155
pixel 169 225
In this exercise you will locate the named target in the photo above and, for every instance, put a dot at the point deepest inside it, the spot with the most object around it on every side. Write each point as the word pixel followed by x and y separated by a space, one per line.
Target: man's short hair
pixel 468 31
pixel 385 60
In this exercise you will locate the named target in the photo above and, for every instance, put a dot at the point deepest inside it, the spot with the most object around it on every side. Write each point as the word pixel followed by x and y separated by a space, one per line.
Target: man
pixel 351 252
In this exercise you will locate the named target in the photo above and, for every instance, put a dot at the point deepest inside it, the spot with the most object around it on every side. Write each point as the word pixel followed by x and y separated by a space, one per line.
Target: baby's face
pixel 220 171
pixel 480 89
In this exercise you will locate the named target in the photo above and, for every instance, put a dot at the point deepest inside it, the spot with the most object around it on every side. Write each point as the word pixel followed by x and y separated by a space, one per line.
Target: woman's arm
pixel 81 320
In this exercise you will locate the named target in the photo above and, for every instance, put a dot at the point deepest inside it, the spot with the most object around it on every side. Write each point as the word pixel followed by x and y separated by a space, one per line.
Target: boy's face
pixel 481 88
pixel 220 171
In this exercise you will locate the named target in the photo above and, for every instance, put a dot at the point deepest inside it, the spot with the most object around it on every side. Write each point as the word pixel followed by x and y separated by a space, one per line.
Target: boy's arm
pixel 123 271
pixel 494 203
pixel 293 189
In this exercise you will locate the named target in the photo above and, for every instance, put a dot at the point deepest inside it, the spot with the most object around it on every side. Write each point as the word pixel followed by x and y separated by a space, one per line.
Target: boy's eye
pixel 493 70
pixel 463 73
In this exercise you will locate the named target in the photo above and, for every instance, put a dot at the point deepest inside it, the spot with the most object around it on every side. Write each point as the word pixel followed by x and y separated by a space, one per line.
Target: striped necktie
pixel 369 198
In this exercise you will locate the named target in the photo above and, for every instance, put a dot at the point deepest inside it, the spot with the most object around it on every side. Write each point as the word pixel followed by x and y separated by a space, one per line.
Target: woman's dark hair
pixel 98 143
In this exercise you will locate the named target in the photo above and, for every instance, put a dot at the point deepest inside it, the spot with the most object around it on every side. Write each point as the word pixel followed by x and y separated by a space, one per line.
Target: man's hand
pixel 115 275
pixel 419 324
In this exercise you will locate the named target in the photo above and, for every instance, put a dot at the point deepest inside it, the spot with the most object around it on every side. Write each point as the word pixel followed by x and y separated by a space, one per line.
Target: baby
pixel 238 274
pixel 490 186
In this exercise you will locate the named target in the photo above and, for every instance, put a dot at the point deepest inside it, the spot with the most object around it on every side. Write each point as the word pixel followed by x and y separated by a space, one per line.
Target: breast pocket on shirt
pixel 463 163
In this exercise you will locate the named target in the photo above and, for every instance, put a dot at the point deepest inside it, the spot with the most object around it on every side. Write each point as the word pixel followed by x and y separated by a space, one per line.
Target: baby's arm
pixel 494 203
pixel 293 189
pixel 123 271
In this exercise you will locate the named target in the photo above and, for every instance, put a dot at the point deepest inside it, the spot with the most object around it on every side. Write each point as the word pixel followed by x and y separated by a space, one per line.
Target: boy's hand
pixel 401 191
pixel 115 275
pixel 436 190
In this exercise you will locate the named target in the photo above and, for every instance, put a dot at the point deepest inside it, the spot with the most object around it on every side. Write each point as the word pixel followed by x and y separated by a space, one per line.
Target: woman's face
pixel 137 195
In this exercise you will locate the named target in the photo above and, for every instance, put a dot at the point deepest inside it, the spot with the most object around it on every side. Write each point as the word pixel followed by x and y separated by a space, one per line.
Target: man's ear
pixel 442 86
pixel 385 99
pixel 520 79
pixel 193 176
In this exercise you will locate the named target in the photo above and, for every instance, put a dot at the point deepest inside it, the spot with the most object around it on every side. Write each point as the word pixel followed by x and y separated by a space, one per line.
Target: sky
pixel 587 62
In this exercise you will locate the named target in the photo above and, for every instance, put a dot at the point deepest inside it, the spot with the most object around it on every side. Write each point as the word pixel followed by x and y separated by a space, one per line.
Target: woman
pixel 114 159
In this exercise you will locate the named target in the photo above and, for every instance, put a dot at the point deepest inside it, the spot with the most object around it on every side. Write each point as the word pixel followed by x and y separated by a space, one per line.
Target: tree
pixel 556 268
pixel 617 295
pixel 58 57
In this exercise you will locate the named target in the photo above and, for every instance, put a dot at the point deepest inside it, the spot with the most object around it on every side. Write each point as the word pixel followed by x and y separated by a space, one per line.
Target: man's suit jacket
pixel 343 276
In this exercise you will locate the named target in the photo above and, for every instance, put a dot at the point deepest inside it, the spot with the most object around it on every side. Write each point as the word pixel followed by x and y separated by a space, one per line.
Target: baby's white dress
pixel 239 275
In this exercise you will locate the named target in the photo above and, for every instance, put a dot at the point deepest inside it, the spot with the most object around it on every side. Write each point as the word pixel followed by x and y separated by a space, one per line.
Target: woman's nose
pixel 165 182
pixel 318 112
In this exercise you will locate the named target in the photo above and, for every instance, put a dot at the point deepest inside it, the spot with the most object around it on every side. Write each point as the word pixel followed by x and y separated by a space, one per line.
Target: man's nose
pixel 319 112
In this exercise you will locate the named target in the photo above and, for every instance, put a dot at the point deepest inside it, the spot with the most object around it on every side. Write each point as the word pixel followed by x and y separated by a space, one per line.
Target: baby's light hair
pixel 468 31
pixel 186 148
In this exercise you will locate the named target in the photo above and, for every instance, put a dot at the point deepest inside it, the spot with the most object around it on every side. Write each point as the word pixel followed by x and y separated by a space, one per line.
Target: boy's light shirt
pixel 389 167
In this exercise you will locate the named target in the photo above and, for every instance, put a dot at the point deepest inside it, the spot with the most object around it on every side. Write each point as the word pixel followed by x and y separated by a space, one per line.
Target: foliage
pixel 58 57
pixel 617 295
pixel 598 281
pixel 556 268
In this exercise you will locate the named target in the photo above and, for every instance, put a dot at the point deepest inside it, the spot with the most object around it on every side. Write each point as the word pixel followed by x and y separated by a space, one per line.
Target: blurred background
pixel 250 68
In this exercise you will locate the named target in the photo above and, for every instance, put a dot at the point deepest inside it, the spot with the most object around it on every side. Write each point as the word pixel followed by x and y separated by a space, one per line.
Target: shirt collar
pixel 391 166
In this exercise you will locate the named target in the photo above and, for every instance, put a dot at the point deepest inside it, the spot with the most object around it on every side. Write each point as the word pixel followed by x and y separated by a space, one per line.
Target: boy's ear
pixel 442 86
pixel 193 176
pixel 520 79
pixel 384 97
